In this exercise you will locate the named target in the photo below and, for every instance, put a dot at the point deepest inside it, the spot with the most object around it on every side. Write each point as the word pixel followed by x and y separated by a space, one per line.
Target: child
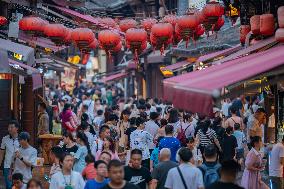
pixel 89 171
pixel 197 156
pixel 241 140
pixel 55 155
pixel 17 180
pixel 154 159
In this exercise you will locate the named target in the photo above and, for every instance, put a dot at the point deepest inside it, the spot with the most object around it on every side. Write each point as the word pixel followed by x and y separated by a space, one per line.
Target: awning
pixel 88 18
pixel 30 70
pixel 195 93
pixel 217 54
pixel 41 42
pixel 248 50
pixel 176 66
pixel 26 52
pixel 113 77
pixel 37 81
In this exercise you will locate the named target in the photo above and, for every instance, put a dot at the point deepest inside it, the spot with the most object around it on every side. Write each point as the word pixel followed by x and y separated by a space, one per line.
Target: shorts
pixel 240 154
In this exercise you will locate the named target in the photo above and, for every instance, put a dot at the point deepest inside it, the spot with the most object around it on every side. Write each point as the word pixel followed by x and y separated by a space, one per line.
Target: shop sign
pixel 5 76
pixel 74 59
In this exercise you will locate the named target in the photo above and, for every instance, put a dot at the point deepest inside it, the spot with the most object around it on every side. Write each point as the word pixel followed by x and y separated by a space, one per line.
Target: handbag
pixel 182 178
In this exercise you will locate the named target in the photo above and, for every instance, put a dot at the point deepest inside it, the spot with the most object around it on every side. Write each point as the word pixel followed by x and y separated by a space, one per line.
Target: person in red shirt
pixel 89 171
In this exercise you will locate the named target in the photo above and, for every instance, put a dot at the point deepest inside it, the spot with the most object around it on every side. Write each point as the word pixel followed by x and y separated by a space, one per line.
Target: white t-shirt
pixel 29 154
pixel 191 174
pixel 275 168
pixel 10 145
pixel 97 145
pixel 141 140
pixel 152 128
pixel 59 181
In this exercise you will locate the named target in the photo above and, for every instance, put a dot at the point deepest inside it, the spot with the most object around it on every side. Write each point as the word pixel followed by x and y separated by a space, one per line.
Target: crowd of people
pixel 110 143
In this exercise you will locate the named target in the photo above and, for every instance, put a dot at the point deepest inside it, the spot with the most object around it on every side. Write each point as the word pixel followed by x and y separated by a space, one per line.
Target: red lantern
pixel 3 21
pixel 83 37
pixel 109 40
pixel 68 37
pixel 244 30
pixel 219 24
pixel 161 36
pixel 117 48
pixel 171 19
pixel 280 13
pixel 186 26
pixel 199 32
pixel 56 32
pixel 126 24
pixel 255 24
pixel 32 25
pixel 148 23
pixel 109 22
pixel 267 24
pixel 85 58
pixel 136 41
pixel 213 10
pixel 279 35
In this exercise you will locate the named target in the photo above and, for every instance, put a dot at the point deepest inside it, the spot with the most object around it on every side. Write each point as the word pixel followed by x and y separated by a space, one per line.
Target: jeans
pixel 6 172
pixel 277 182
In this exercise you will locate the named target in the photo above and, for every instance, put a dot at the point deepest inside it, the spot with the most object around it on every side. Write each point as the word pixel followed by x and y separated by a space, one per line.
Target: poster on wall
pixel 68 78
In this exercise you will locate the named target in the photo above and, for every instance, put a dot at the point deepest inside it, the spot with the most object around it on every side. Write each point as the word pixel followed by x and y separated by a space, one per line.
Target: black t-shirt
pixel 222 185
pixel 126 186
pixel 128 133
pixel 229 145
pixel 140 177
pixel 69 150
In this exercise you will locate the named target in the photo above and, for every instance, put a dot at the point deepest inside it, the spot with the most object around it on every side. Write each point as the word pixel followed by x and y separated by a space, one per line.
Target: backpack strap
pixel 182 178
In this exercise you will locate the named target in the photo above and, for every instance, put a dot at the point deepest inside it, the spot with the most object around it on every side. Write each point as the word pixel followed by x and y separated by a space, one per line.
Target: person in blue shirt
pixel 100 179
pixel 170 142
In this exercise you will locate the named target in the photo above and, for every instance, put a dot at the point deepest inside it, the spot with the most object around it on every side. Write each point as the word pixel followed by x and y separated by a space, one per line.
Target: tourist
pixel 154 159
pixel 123 125
pixel 108 146
pixel 197 156
pixel 67 178
pixel 161 131
pixel 99 180
pixel 91 106
pixel 34 184
pixel 217 127
pixel 85 126
pixel 152 127
pixel 206 136
pixel 89 172
pixel 251 178
pixel 255 123
pixel 185 175
pixel 9 145
pixel 140 139
pixel 229 171
pixel 69 144
pixel 55 155
pixel 82 152
pixel 229 145
pixel 234 119
pixel 66 116
pixel 174 120
pixel 132 127
pixel 276 165
pixel 17 180
pixel 160 172
pixel 25 157
pixel 112 124
pixel 187 125
pixel 99 119
pixel 98 144
pixel 241 140
pixel 210 168
pixel 105 156
pixel 170 142
pixel 116 175
pixel 43 119
pixel 135 173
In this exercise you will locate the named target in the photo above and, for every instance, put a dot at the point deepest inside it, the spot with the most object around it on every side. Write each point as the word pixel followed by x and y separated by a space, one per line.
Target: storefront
pixel 20 86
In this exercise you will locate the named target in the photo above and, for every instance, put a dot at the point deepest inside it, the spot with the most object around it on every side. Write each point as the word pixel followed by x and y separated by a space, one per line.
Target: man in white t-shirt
pixel 276 165
pixel 25 157
pixel 186 175
pixel 152 128
pixel 91 107
pixel 67 178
